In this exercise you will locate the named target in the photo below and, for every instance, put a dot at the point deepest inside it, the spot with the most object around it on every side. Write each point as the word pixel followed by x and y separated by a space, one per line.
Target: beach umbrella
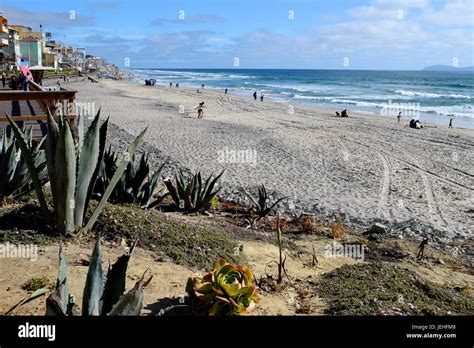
pixel 25 70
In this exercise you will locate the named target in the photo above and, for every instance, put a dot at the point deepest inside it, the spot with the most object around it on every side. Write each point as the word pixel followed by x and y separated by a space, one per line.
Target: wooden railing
pixel 52 100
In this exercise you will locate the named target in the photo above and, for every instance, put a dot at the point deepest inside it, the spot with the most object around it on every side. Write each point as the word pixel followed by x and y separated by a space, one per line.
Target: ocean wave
pixel 431 95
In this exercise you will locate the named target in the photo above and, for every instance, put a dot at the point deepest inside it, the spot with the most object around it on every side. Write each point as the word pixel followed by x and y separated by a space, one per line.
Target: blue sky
pixel 364 34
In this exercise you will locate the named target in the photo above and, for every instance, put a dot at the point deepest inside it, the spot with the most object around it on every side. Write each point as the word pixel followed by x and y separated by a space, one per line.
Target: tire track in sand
pixel 383 204
pixel 436 215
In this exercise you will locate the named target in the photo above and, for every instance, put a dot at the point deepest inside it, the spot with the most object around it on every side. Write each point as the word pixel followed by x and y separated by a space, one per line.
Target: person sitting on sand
pixel 255 95
pixel 399 117
pixel 200 109
pixel 338 114
pixel 261 97
pixel 450 123
pixel 415 124
pixel 344 113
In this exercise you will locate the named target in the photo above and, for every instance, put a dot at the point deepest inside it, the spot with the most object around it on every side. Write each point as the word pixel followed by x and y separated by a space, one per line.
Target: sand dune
pixel 364 168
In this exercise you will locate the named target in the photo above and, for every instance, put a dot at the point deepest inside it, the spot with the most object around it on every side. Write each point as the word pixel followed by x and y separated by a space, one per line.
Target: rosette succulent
pixel 227 290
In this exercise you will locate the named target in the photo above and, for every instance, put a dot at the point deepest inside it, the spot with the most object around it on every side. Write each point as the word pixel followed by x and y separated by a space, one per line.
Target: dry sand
pixel 363 168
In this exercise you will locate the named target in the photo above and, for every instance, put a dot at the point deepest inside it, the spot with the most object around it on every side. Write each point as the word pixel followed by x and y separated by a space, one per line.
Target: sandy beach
pixel 362 168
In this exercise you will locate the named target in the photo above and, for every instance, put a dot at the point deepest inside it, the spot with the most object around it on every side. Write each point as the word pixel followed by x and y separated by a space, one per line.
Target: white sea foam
pixel 431 95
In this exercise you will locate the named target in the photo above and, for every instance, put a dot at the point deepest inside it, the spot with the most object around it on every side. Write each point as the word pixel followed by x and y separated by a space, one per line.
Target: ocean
pixel 431 96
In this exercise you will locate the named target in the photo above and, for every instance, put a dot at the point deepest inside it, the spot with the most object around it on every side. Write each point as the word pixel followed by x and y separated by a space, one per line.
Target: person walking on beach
pixel 450 123
pixel 225 91
pixel 255 95
pixel 399 117
pixel 261 97
pixel 4 80
pixel 171 84
pixel 177 84
pixel 200 109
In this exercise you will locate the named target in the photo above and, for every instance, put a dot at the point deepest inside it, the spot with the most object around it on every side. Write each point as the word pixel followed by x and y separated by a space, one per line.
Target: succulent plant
pixel 192 194
pixel 15 180
pixel 99 297
pixel 72 171
pixel 138 184
pixel 227 290
pixel 262 204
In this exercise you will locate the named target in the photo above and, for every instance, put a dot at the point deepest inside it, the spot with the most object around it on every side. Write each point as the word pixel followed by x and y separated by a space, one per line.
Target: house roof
pixel 29 39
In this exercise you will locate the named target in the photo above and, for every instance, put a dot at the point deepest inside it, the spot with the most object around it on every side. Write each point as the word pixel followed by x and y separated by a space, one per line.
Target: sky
pixel 286 34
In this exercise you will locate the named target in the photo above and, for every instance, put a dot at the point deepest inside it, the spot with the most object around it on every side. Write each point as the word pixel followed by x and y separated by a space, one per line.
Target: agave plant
pixel 192 194
pixel 227 290
pixel 15 179
pixel 72 171
pixel 138 184
pixel 99 297
pixel 262 204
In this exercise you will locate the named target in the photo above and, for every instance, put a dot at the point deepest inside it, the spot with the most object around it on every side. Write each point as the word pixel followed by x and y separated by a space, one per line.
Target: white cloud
pixel 457 13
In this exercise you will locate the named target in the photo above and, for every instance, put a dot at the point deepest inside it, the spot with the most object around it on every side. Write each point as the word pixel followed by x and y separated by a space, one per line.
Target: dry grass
pixel 308 224
pixel 272 223
pixel 337 230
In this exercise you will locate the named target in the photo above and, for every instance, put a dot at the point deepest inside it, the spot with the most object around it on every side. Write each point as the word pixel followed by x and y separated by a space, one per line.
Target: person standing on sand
pixel 399 117
pixel 177 84
pixel 200 109
pixel 261 97
pixel 171 84
pixel 225 91
pixel 450 123
pixel 202 86
pixel 255 95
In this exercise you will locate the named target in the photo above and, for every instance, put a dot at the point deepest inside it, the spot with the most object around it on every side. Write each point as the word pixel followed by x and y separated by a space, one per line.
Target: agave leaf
pixel 278 201
pixel 148 190
pixel 195 194
pixel 94 285
pixel 162 194
pixel 180 186
pixel 80 131
pixel 205 188
pixel 88 161
pixel 121 168
pixel 187 193
pixel 172 191
pixel 51 142
pixel 62 279
pixel 7 167
pixel 54 302
pixel 33 296
pixel 65 166
pixel 115 284
pixel 132 302
pixel 23 143
pixel 103 136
